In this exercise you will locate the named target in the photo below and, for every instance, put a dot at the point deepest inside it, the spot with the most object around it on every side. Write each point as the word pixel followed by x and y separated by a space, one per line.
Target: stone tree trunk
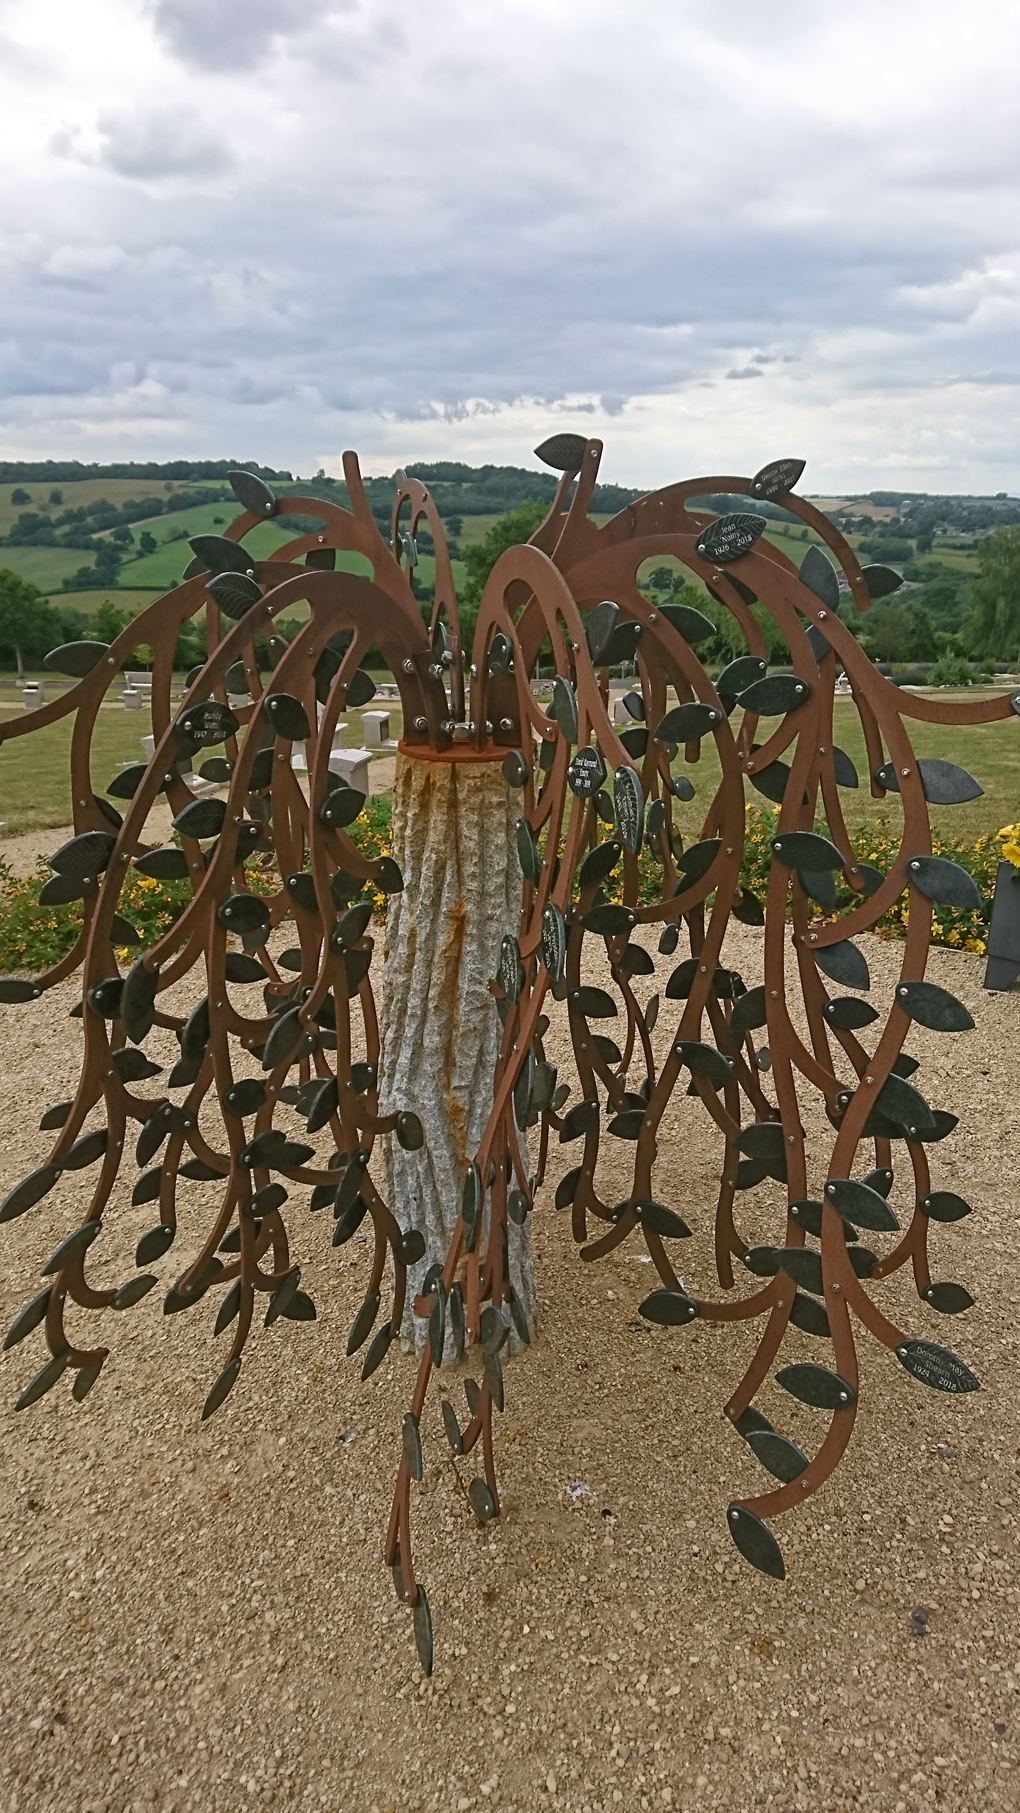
pixel 454 841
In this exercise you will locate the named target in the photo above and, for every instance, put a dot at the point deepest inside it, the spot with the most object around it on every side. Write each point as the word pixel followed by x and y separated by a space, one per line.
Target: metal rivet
pixel 836 1288
pixel 822 616
pixel 869 1079
pixel 844 1397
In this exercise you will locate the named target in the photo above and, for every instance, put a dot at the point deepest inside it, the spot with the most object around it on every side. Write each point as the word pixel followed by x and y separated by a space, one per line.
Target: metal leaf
pixel 803 1265
pixel 201 818
pixel 948 1299
pixel 222 1385
pixel 659 1219
pixel 629 807
pixel 564 707
pixel 411 1444
pixel 777 1453
pixel 71 1248
pixel 774 695
pixel 936 1366
pixel 729 537
pixel 378 1348
pixel 809 1316
pixel 423 1630
pixel 245 914
pixel 252 492
pixel 587 772
pixel 944 1205
pixel 843 963
pixel 88 854
pixel 593 1003
pixel 771 781
pixel 806 850
pixel 206 723
pixel 817 1386
pixel 577 1121
pixel 515 768
pixel 739 674
pixel 599 862
pixel 776 479
pixel 756 1542
pixel 696 861
pixel 288 717
pixel 28 1318
pixel 563 452
pixel 609 921
pixel 28 1192
pixel 669 1308
pixel 944 881
pixel 932 1006
pixel 527 851
pixel 692 625
pixel 881 581
pixel 219 554
pixel 861 1205
pixel 46 1377
pixel 599 625
pixel 233 593
pixel 687 723
pixel 846 1012
pixel 749 1013
pixel 843 768
pixel 819 575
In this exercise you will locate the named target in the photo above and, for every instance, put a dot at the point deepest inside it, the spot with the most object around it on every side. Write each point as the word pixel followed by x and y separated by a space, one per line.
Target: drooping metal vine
pixel 592 797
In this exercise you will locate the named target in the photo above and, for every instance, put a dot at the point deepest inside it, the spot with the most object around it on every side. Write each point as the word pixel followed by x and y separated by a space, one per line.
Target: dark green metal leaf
pixel 587 772
pixel 133 1291
pixel 46 1377
pixel 222 1385
pixel 803 1265
pixel 687 723
pixel 948 1299
pixel 776 479
pixel 582 1116
pixel 593 1003
pixel 75 658
pixel 944 881
pixel 843 768
pixel 377 1351
pixel 806 850
pixel 659 1219
pixel 729 537
pixel 527 851
pixel 86 1150
pixel 515 769
pixel 936 1366
pixel 819 575
pixel 207 723
pixel 409 1131
pixel 363 1324
pixel 156 1242
pixel 778 1454
pixel 880 581
pixel 599 625
pixel 28 1318
pixel 599 862
pixel 669 1308
pixel 861 1205
pixel 564 707
pixel 696 861
pixel 809 1316
pixel 843 963
pixel 566 1189
pixel 849 1013
pixel 748 1013
pixel 774 695
pixel 932 1006
pixel 817 1386
pixel 629 807
pixel 71 1248
pixel 944 1205
pixel 756 1542
pixel 748 908
pixel 245 914
pixel 287 716
pixel 411 1444
pixel 169 864
pixel 252 492
pixel 423 1630
pixel 738 674
pixel 692 625
pixel 563 452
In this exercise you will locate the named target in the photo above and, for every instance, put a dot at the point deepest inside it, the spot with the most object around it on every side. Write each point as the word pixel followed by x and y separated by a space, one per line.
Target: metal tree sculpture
pixel 588 798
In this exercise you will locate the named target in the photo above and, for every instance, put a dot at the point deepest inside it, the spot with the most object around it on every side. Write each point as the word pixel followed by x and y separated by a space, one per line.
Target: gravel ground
pixel 197 1617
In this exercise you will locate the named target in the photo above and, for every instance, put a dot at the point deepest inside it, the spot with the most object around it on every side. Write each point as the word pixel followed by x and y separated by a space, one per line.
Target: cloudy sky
pixel 711 234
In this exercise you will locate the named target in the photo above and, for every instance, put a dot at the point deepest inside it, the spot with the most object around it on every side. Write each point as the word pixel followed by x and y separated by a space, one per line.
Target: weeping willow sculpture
pixel 575 799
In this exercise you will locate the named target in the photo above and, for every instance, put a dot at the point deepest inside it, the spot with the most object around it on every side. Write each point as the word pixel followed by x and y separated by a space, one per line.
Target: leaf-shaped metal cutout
pixel 554 941
pixel 566 1189
pixel 696 861
pixel 580 1117
pixel 411 1444
pixel 881 581
pixel 806 850
pixel 817 1386
pixel 452 1427
pixel 46 1377
pixel 75 658
pixel 687 723
pixel 662 1220
pixel 206 723
pixel 234 593
pixel 739 674
pixel 563 452
pixel 628 1124
pixel 423 1630
pixel 776 479
pixel 944 1205
pixel 361 687
pixel 901 1102
pixel 756 1542
pixel 844 963
pixel 847 1012
pixel 515 768
pixel 564 707
pixel 748 908
pixel 819 886
pixel 252 492
pixel 669 1308
pixel 245 914
pixel 704 1060
pixel 843 768
pixel 729 537
pixel 222 1385
pixel 363 1324
pixel 936 1366
pixel 778 1454
pixel 944 881
pixel 774 695
pixel 803 1265
pixel 155 1243
pixel 609 921
pixel 861 1205
pixel 819 575
pixel 288 717
pixel 750 1418
pixel 948 1299
pixel 809 1316
pixel 765 1142
pixel 88 854
pixel 599 625
pixel 71 1248
pixel 377 1351
pixel 629 807
pixel 28 1318
pixel 527 851
pixel 599 863
pixel 593 1003
pixel 749 1013
pixel 932 1006
pixel 692 625
pixel 138 1001
pixel 201 818
pixel 508 974
pixel 86 1150
pixel 587 772
pixel 771 781
pixel 218 554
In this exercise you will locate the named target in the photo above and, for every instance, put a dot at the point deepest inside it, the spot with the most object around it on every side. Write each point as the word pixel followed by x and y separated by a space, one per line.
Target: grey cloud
pixel 746 371
pixel 233 34
pixel 162 141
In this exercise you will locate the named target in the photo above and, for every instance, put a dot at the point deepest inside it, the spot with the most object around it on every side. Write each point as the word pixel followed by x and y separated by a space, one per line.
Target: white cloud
pixel 335 224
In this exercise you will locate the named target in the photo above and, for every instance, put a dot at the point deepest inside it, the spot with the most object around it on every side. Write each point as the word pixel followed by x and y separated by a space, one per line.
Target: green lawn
pixel 990 752
pixel 35 787
pixel 45 567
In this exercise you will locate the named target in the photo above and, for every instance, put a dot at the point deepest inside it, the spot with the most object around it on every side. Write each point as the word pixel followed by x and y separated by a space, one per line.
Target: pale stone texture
pixel 453 839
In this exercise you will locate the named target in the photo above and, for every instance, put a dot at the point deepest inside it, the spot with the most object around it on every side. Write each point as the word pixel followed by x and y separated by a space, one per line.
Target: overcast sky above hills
pixel 711 234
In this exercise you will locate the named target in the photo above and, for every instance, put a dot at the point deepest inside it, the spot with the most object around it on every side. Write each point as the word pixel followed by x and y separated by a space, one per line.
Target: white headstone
pixel 376 728
pixel 352 765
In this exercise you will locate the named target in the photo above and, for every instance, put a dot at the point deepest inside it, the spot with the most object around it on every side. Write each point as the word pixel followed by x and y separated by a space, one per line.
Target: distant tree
pixel 925 541
pixel 454 525
pixel 516 526
pixel 899 631
pixel 20 496
pixel 29 626
pixel 56 497
pixel 147 542
pixel 662 579
pixel 994 627
pixel 108 622
pixel 122 535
